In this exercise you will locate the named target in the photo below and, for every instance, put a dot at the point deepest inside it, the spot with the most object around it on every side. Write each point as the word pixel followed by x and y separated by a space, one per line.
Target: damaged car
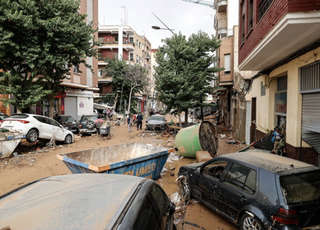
pixel 256 190
pixel 156 122
pixel 88 201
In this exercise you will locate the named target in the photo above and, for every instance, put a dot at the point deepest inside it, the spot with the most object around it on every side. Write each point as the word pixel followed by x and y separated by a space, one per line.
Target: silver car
pixel 88 201
pixel 36 127
pixel 156 122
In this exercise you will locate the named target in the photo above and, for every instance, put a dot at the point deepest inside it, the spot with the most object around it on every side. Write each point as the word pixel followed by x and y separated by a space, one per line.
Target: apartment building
pixel 280 40
pixel 123 42
pixel 234 99
pixel 82 85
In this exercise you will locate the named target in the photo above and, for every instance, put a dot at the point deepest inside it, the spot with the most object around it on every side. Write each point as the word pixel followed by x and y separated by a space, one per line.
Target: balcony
pixel 288 36
pixel 221 5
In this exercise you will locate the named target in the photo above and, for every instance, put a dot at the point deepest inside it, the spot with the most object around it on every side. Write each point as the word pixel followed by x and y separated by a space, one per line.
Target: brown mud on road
pixel 32 162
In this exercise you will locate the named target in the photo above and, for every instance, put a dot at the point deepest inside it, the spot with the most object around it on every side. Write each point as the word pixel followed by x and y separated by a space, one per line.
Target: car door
pixel 210 175
pixel 236 189
pixel 57 130
pixel 44 127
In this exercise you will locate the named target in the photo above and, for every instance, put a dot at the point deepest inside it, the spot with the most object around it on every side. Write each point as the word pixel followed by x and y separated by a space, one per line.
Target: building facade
pixel 123 42
pixel 234 98
pixel 81 87
pixel 279 40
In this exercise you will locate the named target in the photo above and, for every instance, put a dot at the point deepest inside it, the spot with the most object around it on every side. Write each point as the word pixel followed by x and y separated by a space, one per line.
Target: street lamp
pixel 158 28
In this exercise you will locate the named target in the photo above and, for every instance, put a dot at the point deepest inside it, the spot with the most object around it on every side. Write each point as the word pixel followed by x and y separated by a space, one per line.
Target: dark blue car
pixel 256 190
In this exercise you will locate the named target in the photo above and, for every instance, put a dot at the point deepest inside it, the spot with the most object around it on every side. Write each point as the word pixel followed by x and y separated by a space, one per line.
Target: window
pixel 263 89
pixel 281 102
pixel 227 63
pixel 131 39
pixel 263 7
pixel 101 39
pixel 303 187
pixel 250 15
pixel 215 168
pixel 76 69
pixel 242 177
pixel 153 214
pixel 243 21
pixel 131 57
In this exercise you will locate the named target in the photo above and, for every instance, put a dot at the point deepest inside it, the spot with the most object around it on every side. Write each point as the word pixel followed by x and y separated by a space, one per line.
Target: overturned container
pixel 137 159
pixel 199 137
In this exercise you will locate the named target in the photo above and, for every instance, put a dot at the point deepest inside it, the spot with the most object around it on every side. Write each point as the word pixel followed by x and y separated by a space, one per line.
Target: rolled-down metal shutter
pixel 311 120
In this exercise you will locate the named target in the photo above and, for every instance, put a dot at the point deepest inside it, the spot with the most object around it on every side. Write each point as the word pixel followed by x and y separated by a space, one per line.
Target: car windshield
pixel 157 118
pixel 86 118
pixel 301 187
pixel 68 119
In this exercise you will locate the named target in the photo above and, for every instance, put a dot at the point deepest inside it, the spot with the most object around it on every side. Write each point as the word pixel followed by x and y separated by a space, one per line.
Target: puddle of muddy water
pixel 196 216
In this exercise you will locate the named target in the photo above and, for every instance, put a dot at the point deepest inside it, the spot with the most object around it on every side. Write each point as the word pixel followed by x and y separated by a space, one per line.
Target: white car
pixel 36 127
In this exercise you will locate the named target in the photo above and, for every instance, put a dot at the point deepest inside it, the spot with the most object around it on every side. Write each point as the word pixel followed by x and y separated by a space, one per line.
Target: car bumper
pixel 155 127
pixel 88 130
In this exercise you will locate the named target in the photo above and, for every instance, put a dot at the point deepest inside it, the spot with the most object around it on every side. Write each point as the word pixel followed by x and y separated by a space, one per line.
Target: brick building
pixel 280 40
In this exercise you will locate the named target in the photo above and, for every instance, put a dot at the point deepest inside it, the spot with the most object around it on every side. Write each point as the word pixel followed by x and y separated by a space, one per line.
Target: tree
pixel 40 41
pixel 185 70
pixel 127 79
pixel 136 75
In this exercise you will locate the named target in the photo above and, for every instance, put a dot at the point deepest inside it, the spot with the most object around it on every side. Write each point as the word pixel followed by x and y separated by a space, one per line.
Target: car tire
pixel 68 139
pixel 90 124
pixel 250 222
pixel 32 136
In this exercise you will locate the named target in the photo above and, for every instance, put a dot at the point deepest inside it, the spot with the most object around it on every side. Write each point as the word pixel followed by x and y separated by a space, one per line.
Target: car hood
pixel 76 201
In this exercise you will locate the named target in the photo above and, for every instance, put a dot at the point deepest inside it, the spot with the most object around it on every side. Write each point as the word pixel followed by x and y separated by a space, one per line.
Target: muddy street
pixel 32 162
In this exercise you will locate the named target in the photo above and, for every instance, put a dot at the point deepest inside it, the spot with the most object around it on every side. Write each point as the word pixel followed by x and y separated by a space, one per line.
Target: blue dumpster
pixel 137 159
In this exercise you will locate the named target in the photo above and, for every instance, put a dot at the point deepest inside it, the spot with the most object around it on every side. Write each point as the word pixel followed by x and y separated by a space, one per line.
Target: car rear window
pixel 157 118
pixel 302 187
pixel 19 116
pixel 68 119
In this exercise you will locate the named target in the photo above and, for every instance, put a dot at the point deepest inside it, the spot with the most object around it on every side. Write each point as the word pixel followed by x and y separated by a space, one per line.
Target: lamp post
pixel 158 28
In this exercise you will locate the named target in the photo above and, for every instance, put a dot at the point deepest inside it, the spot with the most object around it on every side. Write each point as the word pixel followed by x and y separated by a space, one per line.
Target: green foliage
pixel 39 41
pixel 185 70
pixel 126 78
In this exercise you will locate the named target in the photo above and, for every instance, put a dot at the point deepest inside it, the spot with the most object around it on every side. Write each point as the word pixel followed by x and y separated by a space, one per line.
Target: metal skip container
pixel 137 159
pixel 199 137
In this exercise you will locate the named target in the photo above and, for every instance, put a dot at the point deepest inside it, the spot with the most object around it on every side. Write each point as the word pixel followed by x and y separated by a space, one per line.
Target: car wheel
pixel 68 139
pixel 32 136
pixel 250 222
pixel 90 124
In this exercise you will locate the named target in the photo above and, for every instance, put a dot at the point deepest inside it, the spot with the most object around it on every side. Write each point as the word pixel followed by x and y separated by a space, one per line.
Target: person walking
pixel 139 121
pixel 129 121
pixel 98 123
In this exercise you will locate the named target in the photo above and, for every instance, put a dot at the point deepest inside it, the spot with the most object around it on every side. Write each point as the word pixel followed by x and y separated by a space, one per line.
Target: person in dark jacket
pixel 139 121
pixel 58 118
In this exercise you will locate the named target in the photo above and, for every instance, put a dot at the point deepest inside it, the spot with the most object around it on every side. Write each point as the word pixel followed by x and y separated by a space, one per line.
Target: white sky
pixel 181 16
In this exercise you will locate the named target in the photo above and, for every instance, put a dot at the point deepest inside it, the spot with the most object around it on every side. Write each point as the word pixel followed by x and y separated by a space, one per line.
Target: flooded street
pixel 36 161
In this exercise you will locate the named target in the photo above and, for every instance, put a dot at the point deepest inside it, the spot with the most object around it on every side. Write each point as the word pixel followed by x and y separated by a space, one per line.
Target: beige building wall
pixel 266 104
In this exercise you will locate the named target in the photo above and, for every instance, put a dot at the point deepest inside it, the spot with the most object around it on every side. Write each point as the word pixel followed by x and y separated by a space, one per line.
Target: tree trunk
pixel 51 106
pixel 129 103
pixel 186 116
pixel 115 102
pixel 180 120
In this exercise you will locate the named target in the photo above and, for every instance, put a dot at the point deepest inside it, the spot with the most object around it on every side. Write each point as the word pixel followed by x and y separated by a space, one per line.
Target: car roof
pixel 79 201
pixel 268 161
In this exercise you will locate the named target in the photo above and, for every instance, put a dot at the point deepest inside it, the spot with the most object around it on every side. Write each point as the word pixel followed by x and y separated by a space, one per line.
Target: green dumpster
pixel 199 137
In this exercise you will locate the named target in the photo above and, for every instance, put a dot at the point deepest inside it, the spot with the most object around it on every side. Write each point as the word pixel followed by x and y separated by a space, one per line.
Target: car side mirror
pixel 198 170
